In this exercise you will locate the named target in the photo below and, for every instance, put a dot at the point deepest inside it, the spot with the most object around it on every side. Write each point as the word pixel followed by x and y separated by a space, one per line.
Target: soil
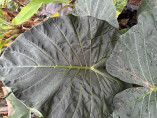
pixel 128 17
pixel 135 2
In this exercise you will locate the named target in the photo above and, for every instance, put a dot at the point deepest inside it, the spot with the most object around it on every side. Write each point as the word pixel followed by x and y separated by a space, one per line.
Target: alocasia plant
pixel 58 67
pixel 146 5
pixel 134 60
pixel 101 9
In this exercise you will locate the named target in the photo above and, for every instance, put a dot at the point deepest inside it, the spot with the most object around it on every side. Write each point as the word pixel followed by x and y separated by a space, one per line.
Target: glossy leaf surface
pixel 147 5
pixel 134 60
pixel 101 9
pixel 58 67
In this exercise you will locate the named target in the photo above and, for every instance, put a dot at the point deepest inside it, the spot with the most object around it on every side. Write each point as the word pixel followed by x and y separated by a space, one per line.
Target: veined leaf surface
pixel 101 9
pixel 147 5
pixel 134 60
pixel 58 67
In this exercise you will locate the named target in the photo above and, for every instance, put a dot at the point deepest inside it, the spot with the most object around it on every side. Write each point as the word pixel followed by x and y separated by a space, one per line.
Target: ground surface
pixel 135 2
pixel 128 17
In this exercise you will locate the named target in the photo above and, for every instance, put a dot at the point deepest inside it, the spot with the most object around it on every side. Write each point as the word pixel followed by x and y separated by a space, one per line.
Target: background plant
pixel 30 9
pixel 7 30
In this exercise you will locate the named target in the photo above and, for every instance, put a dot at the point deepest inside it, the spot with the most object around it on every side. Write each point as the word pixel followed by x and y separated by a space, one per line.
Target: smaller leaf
pixel 18 109
pixel 122 31
pixel 2 43
pixel 1 94
pixel 7 44
pixel 101 9
pixel 1 14
pixel 117 13
pixel 31 9
pixel 27 12
pixel 120 4
pixel 56 14
pixel 36 112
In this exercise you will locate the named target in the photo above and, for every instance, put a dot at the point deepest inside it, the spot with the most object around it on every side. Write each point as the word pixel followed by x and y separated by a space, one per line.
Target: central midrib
pixel 93 67
pixel 56 66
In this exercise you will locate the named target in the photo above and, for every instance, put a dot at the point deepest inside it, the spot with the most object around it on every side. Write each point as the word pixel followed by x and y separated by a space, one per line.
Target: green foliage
pixel 59 67
pixel 19 109
pixel 71 78
pixel 122 31
pixel 3 24
pixel 147 5
pixel 5 28
pixel 31 8
pixel 27 12
pixel 134 61
pixel 120 4
pixel 101 9
pixel 1 14
pixel 8 4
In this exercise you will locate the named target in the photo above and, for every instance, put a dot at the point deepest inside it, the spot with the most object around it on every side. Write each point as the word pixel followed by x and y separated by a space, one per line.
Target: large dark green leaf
pixel 58 67
pixel 147 5
pixel 134 60
pixel 101 9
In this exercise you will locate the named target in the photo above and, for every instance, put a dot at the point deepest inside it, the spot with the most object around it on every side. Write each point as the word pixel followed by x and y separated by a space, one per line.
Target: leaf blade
pixel 104 10
pixel 134 61
pixel 48 60
pixel 120 4
pixel 147 5
pixel 18 109
pixel 27 11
